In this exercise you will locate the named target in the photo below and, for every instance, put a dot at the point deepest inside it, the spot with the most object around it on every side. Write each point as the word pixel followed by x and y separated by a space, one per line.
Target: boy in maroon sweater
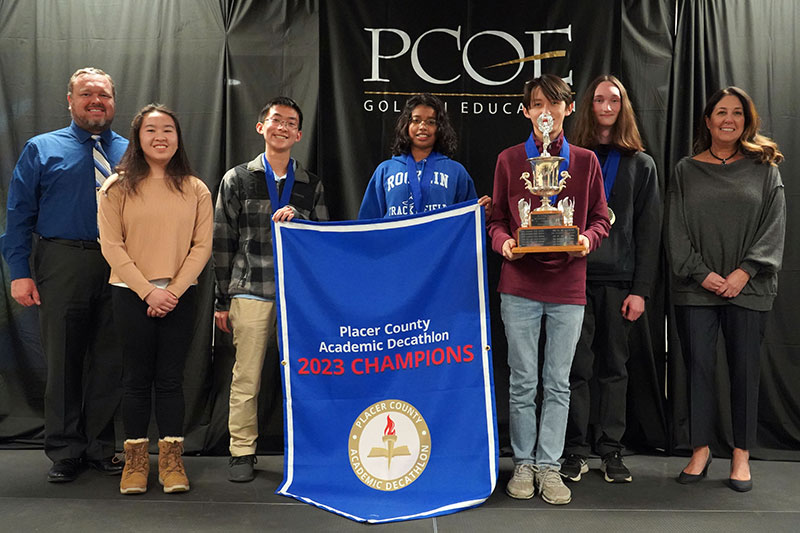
pixel 550 285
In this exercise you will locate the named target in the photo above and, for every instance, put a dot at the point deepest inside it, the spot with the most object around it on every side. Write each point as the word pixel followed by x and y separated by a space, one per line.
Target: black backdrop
pixel 216 61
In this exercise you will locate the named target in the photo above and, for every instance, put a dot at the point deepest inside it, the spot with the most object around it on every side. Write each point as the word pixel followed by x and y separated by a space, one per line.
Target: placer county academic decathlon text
pixel 381 337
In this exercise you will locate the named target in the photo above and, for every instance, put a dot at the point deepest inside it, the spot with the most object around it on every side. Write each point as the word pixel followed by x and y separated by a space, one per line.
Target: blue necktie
pixel 102 168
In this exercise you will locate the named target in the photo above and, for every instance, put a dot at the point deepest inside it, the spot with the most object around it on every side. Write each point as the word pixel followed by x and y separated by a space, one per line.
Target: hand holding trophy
pixel 546 228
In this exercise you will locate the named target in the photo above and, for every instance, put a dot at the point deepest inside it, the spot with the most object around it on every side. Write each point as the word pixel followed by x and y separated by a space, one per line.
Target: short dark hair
pixel 551 85
pixel 284 101
pixel 133 166
pixel 446 141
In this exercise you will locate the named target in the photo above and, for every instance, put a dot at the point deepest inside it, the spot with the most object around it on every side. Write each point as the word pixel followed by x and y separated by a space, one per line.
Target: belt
pixel 86 245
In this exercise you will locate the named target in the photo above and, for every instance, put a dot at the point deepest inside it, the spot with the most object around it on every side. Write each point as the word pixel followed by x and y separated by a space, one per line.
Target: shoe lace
pixel 614 459
pixel 524 472
pixel 172 457
pixel 574 460
pixel 243 459
pixel 550 477
pixel 136 462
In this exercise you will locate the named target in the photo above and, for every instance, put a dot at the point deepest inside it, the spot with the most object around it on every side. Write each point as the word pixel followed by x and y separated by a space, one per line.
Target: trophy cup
pixel 546 228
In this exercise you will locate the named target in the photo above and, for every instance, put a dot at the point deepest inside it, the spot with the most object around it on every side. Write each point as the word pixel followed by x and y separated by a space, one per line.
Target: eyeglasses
pixel 431 122
pixel 288 124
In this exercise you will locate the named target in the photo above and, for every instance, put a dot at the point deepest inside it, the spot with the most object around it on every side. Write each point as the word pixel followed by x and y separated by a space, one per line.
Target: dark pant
pixel 603 346
pixel 743 330
pixel 154 353
pixel 84 364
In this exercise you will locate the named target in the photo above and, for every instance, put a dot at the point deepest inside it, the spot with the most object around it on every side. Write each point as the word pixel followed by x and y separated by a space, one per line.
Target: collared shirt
pixel 243 261
pixel 52 191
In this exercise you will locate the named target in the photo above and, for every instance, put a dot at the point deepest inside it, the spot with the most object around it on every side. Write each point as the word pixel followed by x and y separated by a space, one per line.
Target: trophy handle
pixel 564 177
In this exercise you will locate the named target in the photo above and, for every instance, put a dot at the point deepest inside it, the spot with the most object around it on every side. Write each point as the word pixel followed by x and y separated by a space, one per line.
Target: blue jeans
pixel 522 319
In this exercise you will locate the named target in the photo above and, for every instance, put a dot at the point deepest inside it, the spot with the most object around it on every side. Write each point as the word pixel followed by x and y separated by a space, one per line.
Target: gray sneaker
pixel 240 469
pixel 550 486
pixel 521 485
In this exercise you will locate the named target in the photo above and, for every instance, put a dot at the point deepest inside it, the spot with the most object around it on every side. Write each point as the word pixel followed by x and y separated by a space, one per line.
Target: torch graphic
pixel 389 439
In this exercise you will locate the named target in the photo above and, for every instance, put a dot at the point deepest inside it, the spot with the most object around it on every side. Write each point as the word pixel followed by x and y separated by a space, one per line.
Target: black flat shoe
pixel 110 466
pixel 740 486
pixel 687 479
pixel 64 471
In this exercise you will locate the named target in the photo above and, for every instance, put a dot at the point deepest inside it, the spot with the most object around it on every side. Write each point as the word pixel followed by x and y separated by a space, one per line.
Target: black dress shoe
pixel 64 470
pixel 739 485
pixel 110 466
pixel 687 479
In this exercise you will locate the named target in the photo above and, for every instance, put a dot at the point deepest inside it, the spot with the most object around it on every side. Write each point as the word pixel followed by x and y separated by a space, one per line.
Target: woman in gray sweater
pixel 726 224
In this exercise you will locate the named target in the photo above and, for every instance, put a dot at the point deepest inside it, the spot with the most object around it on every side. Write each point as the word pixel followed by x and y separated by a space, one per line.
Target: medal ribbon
pixel 419 186
pixel 533 151
pixel 610 168
pixel 272 186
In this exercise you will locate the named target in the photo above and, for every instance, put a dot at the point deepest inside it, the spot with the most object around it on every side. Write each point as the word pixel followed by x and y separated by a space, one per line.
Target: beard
pixel 99 123
pixel 92 124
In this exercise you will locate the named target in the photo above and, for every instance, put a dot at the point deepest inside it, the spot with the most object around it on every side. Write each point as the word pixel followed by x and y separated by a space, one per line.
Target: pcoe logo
pixel 437 68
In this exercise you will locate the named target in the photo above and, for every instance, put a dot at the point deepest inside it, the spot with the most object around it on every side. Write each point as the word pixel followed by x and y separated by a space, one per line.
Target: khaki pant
pixel 253 323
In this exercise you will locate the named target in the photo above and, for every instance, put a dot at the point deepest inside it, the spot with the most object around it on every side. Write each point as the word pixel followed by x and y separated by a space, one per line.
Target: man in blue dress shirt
pixel 52 201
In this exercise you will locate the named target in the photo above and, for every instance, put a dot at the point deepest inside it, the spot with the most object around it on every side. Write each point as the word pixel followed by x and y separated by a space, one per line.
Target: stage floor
pixel 654 502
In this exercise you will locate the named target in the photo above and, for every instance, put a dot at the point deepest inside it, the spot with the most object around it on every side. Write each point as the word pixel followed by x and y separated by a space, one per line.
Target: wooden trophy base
pixel 540 239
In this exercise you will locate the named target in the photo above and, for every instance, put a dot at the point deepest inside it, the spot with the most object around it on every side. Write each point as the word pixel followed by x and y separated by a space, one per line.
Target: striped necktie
pixel 102 168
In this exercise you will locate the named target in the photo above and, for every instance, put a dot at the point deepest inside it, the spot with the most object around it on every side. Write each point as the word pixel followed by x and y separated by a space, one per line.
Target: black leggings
pixel 154 353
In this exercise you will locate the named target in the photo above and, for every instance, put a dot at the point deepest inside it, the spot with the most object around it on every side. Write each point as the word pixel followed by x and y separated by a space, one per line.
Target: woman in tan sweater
pixel 155 219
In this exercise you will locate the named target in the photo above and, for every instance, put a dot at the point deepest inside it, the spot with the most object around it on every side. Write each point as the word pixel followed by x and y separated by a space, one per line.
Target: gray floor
pixel 653 502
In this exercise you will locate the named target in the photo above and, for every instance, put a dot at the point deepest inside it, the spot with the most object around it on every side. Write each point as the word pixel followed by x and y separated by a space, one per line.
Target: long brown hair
pixel 624 133
pixel 751 143
pixel 133 166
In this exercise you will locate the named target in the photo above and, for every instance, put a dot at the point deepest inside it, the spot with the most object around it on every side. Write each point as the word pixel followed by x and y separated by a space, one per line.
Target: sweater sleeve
pixel 499 226
pixel 685 260
pixel 766 252
pixel 648 212
pixel 200 250
pixel 374 203
pixel 111 203
pixel 466 186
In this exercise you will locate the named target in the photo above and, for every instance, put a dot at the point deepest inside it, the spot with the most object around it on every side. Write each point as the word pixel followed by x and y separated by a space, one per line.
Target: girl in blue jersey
pixel 420 177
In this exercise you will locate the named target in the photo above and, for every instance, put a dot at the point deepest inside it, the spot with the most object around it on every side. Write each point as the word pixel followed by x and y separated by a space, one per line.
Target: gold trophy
pixel 546 228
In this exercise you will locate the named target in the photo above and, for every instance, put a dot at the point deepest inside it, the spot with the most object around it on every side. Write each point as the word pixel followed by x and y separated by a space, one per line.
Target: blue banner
pixel 387 373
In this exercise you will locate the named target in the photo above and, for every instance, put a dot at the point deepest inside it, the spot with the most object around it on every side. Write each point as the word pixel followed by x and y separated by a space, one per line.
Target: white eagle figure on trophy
pixel 524 207
pixel 567 208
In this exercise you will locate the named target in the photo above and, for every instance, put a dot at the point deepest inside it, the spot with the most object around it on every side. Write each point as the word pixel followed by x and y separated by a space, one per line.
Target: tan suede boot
pixel 137 467
pixel 171 472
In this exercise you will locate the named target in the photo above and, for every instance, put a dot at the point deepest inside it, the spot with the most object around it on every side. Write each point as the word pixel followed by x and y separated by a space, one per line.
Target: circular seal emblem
pixel 389 445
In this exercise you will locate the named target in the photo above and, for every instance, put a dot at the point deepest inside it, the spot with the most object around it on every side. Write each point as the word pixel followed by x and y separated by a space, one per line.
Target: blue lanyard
pixel 610 168
pixel 419 186
pixel 533 151
pixel 272 186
